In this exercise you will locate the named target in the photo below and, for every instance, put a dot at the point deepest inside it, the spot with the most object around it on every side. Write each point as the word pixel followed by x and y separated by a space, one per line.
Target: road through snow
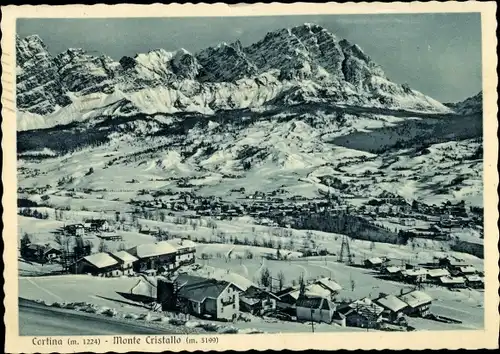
pixel 38 320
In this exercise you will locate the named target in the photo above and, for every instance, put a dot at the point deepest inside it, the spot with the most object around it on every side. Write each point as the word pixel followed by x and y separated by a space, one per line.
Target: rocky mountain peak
pixel 225 63
pixel 471 105
pixel 30 47
pixel 306 62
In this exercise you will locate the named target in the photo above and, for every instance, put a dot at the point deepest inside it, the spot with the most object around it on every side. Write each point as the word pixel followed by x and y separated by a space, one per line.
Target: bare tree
pixel 281 279
pixel 265 277
pixel 302 284
pixel 102 247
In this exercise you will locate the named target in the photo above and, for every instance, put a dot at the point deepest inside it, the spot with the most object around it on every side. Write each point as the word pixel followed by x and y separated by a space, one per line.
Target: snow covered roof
pixel 438 273
pixel 153 249
pixel 366 305
pixel 257 293
pixel 311 302
pixel 452 280
pixel 124 256
pixel 205 288
pixel 415 298
pixel 329 284
pixel 392 269
pixel 414 272
pixel 180 243
pixel 375 260
pixel 467 269
pixel 473 277
pixel 317 290
pixel 237 280
pixel 101 260
pixel 391 302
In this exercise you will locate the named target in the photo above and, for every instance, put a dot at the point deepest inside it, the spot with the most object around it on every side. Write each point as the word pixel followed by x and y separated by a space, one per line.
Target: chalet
pixel 126 261
pixel 474 281
pixel 285 296
pixel 329 285
pixel 316 309
pixel 392 272
pixel 158 256
pixel 434 275
pixel 50 253
pixel 393 307
pixel 362 313
pixel 186 250
pixel 291 295
pixel 418 303
pixel 452 282
pixel 467 270
pixel 203 297
pixel 257 301
pixel 75 229
pixel 41 253
pixel 414 276
pixel 97 225
pixel 98 264
pixel 374 263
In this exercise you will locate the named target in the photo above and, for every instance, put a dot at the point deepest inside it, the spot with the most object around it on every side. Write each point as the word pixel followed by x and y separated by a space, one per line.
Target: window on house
pixel 234 305
pixel 222 309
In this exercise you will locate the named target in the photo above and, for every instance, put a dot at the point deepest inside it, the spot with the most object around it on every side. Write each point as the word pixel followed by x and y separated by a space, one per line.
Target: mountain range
pixel 302 64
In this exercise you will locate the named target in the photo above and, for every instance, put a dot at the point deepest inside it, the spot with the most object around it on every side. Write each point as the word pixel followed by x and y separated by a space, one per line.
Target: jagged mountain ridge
pixel 471 105
pixel 305 59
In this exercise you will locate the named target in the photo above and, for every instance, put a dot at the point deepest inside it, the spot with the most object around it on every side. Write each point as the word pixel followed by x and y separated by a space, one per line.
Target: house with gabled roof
pixel 474 281
pixel 393 306
pixel 126 261
pixel 317 309
pixel 362 313
pixel 98 264
pixel 207 297
pixel 434 275
pixel 330 285
pixel 96 225
pixel 452 282
pixel 418 303
pixel 257 301
pixel 159 256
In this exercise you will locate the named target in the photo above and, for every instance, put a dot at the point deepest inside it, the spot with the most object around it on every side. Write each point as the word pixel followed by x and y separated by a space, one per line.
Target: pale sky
pixel 437 54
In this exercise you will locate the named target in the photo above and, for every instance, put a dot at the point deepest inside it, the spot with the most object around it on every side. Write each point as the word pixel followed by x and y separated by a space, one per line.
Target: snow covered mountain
pixel 288 66
pixel 470 105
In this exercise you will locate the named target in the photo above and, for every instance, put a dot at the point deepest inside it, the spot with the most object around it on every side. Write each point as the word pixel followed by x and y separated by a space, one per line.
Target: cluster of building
pixel 223 299
pixel 257 204
pixel 39 252
pixel 90 225
pixel 448 272
pixel 151 258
